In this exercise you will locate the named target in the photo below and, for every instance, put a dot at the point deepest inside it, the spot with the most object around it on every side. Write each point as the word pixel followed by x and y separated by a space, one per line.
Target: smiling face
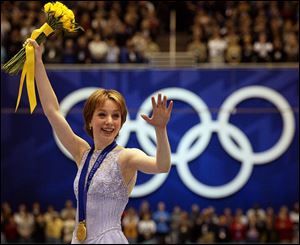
pixel 106 121
pixel 104 114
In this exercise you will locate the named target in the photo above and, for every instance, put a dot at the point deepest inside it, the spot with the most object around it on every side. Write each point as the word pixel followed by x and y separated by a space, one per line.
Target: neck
pixel 101 145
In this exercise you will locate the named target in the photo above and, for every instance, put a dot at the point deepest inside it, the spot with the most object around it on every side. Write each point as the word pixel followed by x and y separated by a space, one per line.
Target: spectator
pixel 38 235
pixel 68 210
pixel 68 227
pixel 271 234
pixel 222 231
pixel 11 233
pixel 263 48
pixel 68 53
pixel 252 233
pixel 83 54
pixel 25 224
pixel 146 229
pixel 36 209
pixel 54 229
pixel 162 220
pixel 113 51
pixel 198 47
pixel 238 227
pixel 228 215
pixel 208 226
pixel 175 223
pixel 216 47
pixel 53 50
pixel 130 224
pixel 294 216
pixel 247 49
pixel 233 52
pixel 194 216
pixel 284 226
pixel 98 49
pixel 6 212
pixel 129 54
pixel 185 226
pixel 278 54
pixel 50 213
pixel 291 48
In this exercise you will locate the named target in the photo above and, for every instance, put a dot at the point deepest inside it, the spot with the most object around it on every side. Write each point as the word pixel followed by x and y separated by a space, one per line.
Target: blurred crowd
pixel 114 31
pixel 244 31
pixel 158 225
pixel 127 31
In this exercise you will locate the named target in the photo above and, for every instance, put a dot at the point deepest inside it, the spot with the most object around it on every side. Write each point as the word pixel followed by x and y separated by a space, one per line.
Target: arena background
pixel 34 168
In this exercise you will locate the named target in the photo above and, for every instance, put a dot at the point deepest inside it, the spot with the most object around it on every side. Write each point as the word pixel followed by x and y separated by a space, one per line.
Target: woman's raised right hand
pixel 37 48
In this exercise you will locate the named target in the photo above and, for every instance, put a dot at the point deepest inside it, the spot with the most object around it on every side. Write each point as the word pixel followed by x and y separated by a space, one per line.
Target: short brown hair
pixel 97 99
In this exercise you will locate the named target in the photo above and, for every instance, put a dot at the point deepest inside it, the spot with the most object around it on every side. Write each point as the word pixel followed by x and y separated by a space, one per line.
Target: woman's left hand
pixel 161 112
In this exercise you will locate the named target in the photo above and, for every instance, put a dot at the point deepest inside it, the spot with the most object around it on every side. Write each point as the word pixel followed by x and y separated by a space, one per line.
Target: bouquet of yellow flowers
pixel 59 18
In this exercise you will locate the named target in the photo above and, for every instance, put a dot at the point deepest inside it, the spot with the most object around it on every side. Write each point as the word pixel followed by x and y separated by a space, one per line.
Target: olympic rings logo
pixel 201 135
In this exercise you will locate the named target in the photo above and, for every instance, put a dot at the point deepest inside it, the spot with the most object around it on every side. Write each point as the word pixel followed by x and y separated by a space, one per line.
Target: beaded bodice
pixel 107 195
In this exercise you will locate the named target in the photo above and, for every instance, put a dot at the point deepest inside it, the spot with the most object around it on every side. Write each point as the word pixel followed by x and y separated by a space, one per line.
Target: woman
pixel 102 192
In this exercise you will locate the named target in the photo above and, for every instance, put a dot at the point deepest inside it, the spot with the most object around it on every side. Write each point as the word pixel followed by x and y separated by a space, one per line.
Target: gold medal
pixel 81 231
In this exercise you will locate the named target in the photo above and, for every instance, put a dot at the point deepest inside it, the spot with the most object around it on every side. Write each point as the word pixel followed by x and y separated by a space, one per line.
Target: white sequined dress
pixel 106 200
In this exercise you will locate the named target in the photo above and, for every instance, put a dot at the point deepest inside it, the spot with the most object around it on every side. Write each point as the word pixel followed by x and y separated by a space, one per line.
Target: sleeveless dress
pixel 106 200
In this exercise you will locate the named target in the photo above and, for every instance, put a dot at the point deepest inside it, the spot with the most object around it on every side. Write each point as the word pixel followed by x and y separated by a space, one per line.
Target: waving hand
pixel 161 112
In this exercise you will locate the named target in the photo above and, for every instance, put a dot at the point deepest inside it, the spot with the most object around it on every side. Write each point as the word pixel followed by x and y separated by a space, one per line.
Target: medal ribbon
pixel 82 189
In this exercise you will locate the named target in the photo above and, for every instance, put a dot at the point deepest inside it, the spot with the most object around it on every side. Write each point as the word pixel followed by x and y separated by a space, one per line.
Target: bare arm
pixel 73 143
pixel 162 162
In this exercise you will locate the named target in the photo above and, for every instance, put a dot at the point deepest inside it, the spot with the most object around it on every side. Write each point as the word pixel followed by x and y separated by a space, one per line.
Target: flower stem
pixel 16 63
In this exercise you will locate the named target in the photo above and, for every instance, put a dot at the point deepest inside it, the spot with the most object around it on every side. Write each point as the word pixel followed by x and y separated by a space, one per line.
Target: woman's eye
pixel 101 114
pixel 116 116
